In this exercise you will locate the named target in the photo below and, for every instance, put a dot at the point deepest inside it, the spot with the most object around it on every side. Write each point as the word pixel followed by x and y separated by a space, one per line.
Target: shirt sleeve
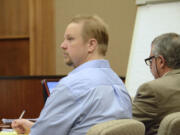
pixel 58 114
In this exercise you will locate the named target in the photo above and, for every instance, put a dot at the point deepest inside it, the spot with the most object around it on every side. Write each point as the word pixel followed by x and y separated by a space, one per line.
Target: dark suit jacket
pixel 157 98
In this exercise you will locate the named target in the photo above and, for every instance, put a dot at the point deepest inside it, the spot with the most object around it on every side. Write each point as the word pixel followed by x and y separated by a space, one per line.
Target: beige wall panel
pixel 14 18
pixel 120 16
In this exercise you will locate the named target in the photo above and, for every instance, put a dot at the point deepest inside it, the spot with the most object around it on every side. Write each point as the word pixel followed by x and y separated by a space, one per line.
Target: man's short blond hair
pixel 94 27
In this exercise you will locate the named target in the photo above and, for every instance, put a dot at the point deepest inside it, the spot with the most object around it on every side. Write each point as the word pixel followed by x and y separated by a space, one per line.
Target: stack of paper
pixel 9 133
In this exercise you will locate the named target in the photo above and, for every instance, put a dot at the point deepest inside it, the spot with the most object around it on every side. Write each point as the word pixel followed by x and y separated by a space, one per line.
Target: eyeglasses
pixel 148 61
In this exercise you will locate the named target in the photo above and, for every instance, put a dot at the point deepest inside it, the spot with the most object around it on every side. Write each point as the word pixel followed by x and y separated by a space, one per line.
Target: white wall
pixel 151 21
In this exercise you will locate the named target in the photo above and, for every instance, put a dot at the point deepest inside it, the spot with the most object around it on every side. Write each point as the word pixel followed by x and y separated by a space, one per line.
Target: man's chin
pixel 69 63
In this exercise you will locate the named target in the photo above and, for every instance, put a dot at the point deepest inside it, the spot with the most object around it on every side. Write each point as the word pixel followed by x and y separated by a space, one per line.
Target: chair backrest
pixel 170 125
pixel 118 127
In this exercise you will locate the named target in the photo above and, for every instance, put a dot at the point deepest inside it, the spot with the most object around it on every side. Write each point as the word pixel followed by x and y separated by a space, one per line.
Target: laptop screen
pixel 51 86
pixel 48 87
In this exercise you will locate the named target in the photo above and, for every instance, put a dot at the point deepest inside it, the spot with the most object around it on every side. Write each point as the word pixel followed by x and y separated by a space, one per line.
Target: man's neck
pixel 165 71
pixel 95 56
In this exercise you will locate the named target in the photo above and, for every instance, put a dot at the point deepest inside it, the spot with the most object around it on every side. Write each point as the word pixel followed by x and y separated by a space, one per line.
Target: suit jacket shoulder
pixel 157 98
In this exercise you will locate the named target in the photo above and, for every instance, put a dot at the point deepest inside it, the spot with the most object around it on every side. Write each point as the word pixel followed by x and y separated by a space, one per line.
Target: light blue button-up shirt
pixel 92 93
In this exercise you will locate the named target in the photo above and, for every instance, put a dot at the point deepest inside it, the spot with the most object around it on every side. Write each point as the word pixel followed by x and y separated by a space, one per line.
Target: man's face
pixel 153 66
pixel 75 49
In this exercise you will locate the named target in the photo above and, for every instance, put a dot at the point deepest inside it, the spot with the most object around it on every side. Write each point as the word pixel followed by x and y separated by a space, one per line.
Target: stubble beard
pixel 68 61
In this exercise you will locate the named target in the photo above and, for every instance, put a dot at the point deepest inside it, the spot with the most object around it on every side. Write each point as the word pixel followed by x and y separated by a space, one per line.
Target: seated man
pixel 90 94
pixel 157 98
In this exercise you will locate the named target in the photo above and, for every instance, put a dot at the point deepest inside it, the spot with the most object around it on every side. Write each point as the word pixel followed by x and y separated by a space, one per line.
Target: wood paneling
pixel 42 38
pixel 14 57
pixel 18 95
pixel 32 20
pixel 14 18
pixel 21 93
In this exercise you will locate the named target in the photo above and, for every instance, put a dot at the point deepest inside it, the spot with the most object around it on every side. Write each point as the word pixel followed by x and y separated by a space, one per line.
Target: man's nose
pixel 63 45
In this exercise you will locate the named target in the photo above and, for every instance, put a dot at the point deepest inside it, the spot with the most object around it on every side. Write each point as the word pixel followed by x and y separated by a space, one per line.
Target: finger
pixel 13 124
pixel 20 130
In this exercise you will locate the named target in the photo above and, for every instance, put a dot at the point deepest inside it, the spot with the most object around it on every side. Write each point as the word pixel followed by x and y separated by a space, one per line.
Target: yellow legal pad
pixel 10 133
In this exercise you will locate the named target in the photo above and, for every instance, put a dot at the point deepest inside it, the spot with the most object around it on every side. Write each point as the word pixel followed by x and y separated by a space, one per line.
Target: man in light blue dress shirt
pixel 92 93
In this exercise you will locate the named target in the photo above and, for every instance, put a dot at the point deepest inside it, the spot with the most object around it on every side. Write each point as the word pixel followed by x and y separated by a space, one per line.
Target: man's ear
pixel 92 44
pixel 162 61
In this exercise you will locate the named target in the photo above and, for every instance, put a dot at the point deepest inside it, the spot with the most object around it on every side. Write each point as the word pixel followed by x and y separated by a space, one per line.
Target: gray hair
pixel 168 46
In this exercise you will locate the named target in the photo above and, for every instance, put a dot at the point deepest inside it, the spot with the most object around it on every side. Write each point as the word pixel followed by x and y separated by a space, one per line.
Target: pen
pixel 22 114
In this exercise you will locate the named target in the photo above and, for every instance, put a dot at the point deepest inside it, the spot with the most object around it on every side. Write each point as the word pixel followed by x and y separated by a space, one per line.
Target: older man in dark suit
pixel 157 98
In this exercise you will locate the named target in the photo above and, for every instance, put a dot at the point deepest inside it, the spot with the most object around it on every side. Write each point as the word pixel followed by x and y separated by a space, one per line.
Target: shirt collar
pixel 102 63
pixel 174 71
